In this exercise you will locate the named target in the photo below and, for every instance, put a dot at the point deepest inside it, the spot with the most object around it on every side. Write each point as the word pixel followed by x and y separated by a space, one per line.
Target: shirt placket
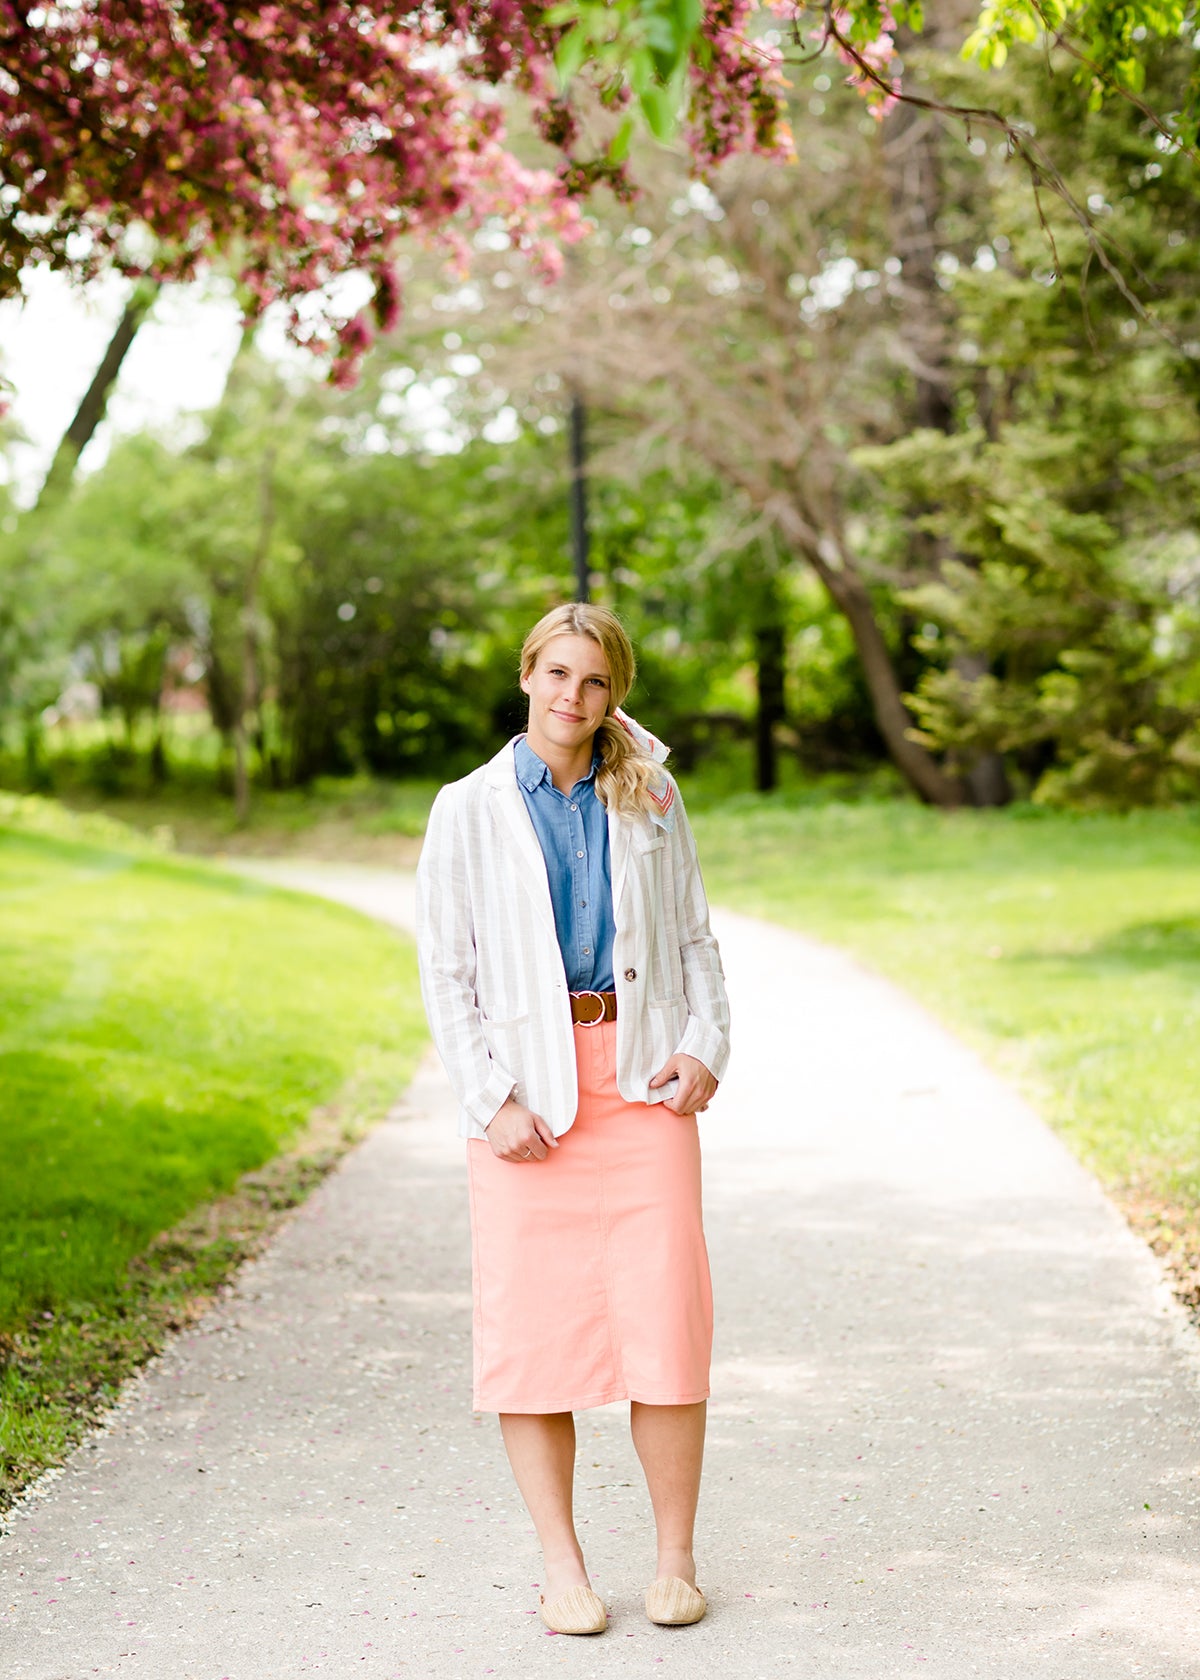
pixel 585 943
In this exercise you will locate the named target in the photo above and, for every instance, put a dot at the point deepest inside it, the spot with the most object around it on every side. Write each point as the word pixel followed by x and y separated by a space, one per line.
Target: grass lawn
pixel 164 1030
pixel 351 819
pixel 1066 948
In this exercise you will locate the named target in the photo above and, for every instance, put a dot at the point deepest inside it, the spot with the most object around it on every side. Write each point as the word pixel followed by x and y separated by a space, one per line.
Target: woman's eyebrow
pixel 561 665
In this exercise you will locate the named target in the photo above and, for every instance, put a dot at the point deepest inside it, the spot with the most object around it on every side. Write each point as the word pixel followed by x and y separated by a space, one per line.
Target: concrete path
pixel 954 1425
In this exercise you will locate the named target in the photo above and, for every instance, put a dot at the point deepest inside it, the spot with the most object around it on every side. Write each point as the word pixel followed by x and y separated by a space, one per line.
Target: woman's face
pixel 569 690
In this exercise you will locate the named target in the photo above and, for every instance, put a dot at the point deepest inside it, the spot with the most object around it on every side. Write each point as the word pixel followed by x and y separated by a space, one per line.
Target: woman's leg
pixel 541 1450
pixel 670 1444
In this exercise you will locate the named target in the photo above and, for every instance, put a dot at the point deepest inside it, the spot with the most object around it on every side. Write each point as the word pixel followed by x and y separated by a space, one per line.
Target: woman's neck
pixel 567 765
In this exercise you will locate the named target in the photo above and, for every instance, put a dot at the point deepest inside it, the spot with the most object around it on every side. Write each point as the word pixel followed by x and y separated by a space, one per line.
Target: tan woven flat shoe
pixel 672 1603
pixel 580 1610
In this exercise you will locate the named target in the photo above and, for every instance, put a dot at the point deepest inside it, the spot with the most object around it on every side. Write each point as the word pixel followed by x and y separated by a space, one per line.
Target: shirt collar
pixel 532 771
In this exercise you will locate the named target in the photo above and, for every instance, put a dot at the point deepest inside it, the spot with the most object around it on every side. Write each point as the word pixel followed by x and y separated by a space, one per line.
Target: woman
pixel 576 996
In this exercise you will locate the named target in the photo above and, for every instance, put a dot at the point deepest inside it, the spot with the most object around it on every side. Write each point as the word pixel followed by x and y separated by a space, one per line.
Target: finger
pixel 545 1132
pixel 519 1154
pixel 663 1074
pixel 533 1149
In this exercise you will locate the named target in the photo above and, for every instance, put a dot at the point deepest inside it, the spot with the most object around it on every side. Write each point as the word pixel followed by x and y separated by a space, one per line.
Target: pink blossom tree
pixel 301 141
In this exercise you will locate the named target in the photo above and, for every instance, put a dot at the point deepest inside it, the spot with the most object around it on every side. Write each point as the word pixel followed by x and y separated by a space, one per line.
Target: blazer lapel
pixel 519 832
pixel 620 847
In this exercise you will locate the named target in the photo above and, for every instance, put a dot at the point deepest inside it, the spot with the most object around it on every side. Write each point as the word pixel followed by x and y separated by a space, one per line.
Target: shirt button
pixel 631 974
pixel 578 854
pixel 587 950
pixel 574 807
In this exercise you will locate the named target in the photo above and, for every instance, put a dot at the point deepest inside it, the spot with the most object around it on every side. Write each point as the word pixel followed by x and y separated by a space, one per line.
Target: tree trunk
pixel 913 170
pixel 159 768
pixel 770 651
pixel 986 779
pixel 91 410
pixel 248 698
pixel 851 596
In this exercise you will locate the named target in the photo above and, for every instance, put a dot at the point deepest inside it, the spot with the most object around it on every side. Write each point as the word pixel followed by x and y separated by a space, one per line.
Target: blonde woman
pixel 576 997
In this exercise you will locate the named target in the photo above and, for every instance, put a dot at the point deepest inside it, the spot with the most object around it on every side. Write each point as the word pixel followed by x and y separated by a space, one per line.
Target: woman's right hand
pixel 517 1134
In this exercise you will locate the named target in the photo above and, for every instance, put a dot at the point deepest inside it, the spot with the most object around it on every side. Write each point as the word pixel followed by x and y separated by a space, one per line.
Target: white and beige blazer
pixel 492 974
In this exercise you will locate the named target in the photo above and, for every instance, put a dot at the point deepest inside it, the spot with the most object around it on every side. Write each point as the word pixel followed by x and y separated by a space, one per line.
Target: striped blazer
pixel 492 974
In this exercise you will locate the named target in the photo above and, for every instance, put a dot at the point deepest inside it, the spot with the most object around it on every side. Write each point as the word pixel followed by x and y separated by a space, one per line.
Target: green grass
pixel 351 819
pixel 1066 947
pixel 164 1029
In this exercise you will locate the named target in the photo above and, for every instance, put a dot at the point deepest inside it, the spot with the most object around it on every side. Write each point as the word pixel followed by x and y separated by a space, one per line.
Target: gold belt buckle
pixel 600 1000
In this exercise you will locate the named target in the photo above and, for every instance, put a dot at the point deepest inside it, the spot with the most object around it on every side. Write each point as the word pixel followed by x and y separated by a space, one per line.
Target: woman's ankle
pixel 562 1569
pixel 677 1561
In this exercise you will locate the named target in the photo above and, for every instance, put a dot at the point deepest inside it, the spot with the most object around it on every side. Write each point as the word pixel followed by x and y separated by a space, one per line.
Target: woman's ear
pixel 524 685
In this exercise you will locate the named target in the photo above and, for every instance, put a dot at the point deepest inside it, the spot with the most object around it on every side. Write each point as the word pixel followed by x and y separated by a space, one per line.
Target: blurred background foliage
pixel 893 475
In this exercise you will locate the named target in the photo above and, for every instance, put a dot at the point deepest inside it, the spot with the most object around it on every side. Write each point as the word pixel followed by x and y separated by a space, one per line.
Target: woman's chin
pixel 556 733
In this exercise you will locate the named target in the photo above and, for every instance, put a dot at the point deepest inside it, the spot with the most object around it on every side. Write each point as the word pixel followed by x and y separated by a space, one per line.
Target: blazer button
pixel 631 974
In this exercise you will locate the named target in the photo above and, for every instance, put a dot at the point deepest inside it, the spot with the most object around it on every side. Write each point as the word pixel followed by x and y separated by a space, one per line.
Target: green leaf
pixel 690 15
pixel 570 54
pixel 641 71
pixel 658 108
pixel 619 147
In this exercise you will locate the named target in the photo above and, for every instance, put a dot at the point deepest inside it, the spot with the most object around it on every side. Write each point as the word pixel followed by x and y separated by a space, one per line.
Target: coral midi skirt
pixel 589 1269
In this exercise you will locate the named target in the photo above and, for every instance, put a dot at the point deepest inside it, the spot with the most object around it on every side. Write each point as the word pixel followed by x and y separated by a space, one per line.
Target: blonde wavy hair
pixel 625 773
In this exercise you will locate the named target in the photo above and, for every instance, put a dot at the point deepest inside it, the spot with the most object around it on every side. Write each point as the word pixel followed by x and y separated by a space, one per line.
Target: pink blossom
pixel 307 140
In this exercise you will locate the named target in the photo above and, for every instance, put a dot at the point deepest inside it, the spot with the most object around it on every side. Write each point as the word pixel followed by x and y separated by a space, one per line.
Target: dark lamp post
pixel 579 518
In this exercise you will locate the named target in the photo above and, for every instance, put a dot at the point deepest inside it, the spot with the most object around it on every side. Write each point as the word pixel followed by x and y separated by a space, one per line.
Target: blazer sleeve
pixel 447 960
pixel 706 1035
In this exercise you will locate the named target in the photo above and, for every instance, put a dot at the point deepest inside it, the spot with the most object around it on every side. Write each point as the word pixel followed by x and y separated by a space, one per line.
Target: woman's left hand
pixel 697 1087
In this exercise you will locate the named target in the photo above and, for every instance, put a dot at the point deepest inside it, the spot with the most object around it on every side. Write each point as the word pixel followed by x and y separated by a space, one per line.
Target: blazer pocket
pixel 643 843
pixel 503 1023
pixel 507 1044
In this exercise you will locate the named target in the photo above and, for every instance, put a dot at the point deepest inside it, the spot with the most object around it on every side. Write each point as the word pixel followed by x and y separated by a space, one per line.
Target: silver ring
pixel 529 1154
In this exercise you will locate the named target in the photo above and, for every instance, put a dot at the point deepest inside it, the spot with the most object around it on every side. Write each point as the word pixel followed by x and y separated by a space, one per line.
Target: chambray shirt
pixel 572 830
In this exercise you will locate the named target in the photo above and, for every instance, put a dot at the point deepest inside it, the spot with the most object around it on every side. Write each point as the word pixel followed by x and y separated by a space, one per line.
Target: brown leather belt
pixel 588 1009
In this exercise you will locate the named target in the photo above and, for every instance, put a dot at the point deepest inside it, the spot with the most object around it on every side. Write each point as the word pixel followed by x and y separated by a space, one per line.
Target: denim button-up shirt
pixel 572 830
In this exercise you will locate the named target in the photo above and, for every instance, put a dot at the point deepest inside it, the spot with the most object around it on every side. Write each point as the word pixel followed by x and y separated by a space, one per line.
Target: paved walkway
pixel 954 1425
